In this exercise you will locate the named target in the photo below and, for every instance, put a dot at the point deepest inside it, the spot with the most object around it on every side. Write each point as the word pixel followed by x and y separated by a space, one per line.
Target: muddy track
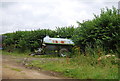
pixel 11 69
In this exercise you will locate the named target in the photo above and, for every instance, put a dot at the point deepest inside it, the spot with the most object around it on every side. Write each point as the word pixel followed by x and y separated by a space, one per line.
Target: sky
pixel 48 14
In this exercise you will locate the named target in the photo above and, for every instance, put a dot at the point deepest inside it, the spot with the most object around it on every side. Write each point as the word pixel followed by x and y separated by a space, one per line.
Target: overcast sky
pixel 48 14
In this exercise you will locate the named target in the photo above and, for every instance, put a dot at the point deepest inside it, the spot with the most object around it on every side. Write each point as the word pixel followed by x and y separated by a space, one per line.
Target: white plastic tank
pixel 49 40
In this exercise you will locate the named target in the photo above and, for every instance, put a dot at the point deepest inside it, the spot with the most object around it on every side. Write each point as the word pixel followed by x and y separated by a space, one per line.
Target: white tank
pixel 49 40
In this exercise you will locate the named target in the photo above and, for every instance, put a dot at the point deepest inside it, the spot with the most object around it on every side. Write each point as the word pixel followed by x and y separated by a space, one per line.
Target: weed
pixel 79 67
pixel 16 69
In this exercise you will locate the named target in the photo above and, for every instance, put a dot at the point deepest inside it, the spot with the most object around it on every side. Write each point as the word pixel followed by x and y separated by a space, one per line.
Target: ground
pixel 13 69
pixel 16 66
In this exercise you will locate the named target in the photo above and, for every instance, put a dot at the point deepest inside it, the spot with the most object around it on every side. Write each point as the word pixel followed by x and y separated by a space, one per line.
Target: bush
pixel 102 31
pixel 104 27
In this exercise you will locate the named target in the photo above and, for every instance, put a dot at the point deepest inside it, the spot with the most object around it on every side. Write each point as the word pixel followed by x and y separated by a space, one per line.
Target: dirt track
pixel 13 70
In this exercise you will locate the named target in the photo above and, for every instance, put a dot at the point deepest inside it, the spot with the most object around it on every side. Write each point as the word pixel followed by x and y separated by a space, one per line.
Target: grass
pixel 81 68
pixel 0 51
pixel 78 67
pixel 15 53
pixel 16 69
pixel 26 54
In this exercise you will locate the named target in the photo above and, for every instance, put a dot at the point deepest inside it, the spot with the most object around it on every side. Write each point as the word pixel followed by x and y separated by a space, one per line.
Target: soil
pixel 13 69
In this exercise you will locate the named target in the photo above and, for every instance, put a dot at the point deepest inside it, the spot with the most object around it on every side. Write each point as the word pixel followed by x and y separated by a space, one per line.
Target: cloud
pixel 47 14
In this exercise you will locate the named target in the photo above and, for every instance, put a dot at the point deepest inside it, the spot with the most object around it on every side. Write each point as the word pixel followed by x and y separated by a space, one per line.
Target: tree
pixel 104 27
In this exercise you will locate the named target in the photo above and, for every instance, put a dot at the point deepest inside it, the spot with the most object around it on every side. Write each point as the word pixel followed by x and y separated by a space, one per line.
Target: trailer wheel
pixel 63 52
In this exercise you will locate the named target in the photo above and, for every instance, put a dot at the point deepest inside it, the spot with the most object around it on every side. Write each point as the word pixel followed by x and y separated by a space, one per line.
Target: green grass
pixel 15 53
pixel 26 54
pixel 81 68
pixel 78 67
pixel 16 69
pixel 0 51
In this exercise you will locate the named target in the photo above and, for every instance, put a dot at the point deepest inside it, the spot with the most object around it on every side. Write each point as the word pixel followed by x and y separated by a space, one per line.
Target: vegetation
pixel 24 40
pixel 103 30
pixel 93 38
pixel 16 69
pixel 65 32
pixel 79 67
pixel 16 53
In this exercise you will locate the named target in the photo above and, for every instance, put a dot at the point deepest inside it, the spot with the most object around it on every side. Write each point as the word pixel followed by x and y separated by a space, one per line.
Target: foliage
pixel 24 40
pixel 102 31
pixel 65 32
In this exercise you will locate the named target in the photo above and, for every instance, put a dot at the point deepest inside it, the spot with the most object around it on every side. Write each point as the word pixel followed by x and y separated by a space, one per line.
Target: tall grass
pixel 82 67
pixel 79 66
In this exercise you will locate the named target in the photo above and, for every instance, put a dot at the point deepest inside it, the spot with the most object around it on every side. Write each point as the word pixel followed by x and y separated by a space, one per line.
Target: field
pixel 82 67
pixel 95 54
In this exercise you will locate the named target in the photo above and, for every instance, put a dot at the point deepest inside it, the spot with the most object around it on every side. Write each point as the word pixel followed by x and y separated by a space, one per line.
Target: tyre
pixel 63 52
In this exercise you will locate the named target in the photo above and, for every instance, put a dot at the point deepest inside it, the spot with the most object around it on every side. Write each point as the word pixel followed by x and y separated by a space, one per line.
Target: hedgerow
pixel 102 31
